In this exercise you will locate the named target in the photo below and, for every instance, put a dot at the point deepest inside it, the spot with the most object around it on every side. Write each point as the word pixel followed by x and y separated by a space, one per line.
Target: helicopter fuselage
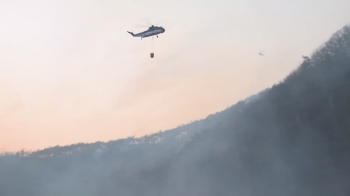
pixel 150 32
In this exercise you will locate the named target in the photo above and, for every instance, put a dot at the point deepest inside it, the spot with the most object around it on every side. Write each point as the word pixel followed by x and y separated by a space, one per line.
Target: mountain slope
pixel 295 140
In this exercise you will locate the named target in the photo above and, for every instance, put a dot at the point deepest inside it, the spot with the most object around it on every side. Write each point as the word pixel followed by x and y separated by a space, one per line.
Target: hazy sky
pixel 69 72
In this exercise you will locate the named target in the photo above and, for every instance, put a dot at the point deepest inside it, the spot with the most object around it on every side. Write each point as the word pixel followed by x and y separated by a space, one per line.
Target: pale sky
pixel 69 72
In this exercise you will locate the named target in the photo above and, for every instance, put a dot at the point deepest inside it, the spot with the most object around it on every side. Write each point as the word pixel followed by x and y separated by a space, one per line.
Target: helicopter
pixel 151 31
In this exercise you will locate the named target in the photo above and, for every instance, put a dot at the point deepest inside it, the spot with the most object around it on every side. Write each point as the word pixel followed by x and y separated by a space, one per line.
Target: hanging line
pixel 152 45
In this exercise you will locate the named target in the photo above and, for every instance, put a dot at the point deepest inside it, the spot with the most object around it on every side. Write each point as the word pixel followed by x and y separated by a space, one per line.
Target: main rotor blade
pixel 147 21
pixel 134 27
pixel 140 26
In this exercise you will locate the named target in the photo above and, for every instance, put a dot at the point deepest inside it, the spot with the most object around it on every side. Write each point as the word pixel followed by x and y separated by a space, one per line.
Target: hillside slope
pixel 295 140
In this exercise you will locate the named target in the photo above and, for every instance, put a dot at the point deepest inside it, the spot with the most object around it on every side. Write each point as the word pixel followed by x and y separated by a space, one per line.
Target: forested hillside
pixel 291 139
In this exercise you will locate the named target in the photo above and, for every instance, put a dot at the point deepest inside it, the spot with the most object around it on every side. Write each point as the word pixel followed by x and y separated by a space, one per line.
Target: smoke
pixel 100 152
